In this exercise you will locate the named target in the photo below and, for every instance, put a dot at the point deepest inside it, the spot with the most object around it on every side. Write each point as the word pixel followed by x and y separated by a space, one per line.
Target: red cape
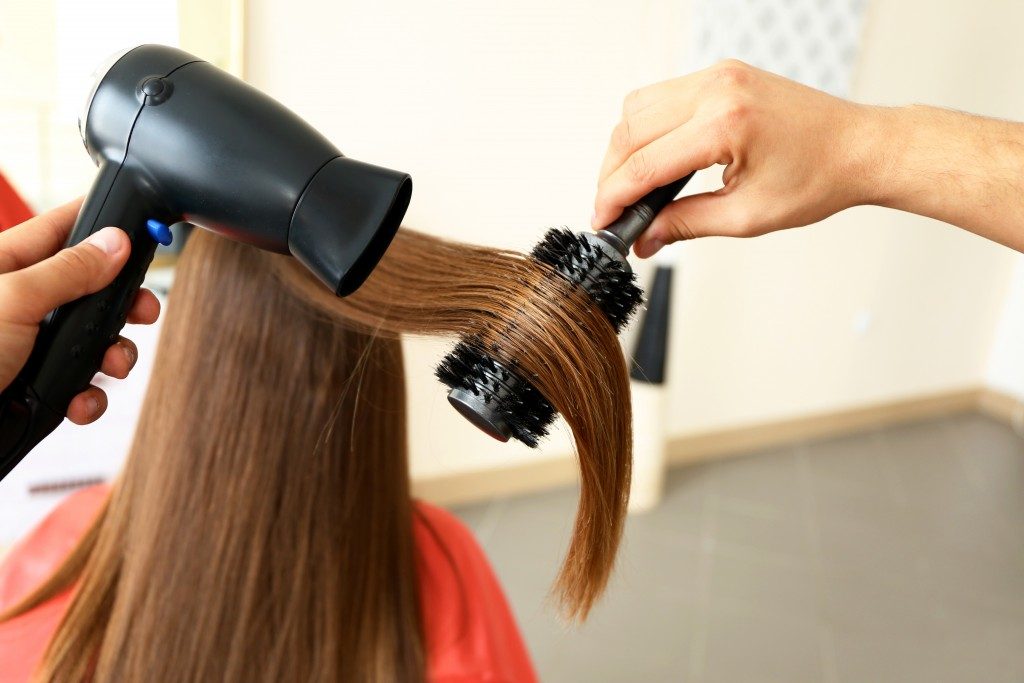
pixel 13 209
pixel 471 635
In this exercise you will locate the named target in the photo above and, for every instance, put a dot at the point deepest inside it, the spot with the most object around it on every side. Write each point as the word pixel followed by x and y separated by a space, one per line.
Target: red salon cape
pixel 13 209
pixel 471 635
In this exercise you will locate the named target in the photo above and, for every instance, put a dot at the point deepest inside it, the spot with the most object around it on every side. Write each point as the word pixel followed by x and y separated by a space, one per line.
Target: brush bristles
pixel 470 366
pixel 503 390
pixel 576 258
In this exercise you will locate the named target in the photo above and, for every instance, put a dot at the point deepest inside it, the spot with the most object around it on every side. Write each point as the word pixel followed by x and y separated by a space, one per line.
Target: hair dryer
pixel 177 139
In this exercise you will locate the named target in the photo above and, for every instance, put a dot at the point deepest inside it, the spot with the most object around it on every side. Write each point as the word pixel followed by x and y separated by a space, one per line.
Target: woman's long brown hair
pixel 262 526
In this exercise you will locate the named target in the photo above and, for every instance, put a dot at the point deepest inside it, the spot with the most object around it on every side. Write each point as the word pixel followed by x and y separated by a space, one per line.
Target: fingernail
pixel 106 240
pixel 129 353
pixel 91 405
pixel 593 220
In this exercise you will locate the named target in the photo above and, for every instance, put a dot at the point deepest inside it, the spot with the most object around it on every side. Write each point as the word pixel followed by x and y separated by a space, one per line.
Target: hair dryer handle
pixel 74 337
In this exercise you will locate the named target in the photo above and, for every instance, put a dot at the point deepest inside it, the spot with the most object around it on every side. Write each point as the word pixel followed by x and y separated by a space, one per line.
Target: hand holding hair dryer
pixel 177 139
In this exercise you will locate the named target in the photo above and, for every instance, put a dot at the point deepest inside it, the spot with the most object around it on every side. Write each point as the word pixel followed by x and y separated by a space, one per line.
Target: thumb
pixel 87 267
pixel 699 215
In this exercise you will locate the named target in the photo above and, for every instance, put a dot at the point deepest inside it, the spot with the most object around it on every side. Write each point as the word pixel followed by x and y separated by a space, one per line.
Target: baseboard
pixel 1002 407
pixel 470 487
pixel 747 439
pixel 497 482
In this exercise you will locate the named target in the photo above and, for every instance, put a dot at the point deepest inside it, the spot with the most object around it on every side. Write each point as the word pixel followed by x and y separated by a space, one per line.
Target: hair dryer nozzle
pixel 345 220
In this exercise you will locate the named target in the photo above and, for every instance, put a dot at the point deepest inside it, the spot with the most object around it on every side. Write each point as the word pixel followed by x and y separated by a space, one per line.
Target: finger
pixel 683 87
pixel 641 128
pixel 87 406
pixel 120 358
pixel 32 292
pixel 145 309
pixel 683 150
pixel 37 238
pixel 700 215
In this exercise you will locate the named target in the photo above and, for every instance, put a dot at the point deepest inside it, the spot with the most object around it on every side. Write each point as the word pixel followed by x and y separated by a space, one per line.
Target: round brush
pixel 493 394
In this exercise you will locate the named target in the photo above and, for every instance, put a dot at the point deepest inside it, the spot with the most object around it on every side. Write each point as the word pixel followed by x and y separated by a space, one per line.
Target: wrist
pixel 878 139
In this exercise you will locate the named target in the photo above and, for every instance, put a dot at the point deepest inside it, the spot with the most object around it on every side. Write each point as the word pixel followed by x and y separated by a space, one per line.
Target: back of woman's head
pixel 262 527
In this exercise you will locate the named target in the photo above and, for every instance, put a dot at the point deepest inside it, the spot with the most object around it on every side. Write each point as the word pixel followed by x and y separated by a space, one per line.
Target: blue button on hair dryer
pixel 177 139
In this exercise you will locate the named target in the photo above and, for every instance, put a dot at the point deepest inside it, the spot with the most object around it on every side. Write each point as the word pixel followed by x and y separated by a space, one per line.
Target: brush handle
pixel 638 217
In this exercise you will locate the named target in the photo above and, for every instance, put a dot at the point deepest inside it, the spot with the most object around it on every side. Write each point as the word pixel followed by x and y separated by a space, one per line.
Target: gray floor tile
pixel 766 481
pixel 989 645
pixel 744 647
pixel 851 463
pixel 650 565
pixel 962 578
pixel 857 604
pixel 930 469
pixel 761 531
pixel 632 636
pixel 845 508
pixel 914 657
pixel 893 555
pixel 679 517
pixel 763 585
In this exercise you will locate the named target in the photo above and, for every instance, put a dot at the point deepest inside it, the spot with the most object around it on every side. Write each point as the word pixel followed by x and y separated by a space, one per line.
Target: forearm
pixel 962 169
pixel 795 155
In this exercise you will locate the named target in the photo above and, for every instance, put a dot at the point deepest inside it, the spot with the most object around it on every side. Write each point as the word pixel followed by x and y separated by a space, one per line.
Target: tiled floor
pixel 896 555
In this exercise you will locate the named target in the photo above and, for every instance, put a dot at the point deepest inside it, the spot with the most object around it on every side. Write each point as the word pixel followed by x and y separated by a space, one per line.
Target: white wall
pixel 501 113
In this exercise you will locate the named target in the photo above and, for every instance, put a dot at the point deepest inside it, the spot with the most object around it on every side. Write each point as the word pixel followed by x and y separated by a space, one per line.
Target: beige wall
pixel 41 93
pixel 767 328
pixel 40 151
pixel 501 113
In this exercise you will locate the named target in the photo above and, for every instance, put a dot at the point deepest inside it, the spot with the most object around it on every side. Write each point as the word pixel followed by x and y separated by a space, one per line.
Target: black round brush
pixel 494 395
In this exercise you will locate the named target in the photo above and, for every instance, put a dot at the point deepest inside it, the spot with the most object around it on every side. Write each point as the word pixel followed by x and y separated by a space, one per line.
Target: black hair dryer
pixel 177 139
